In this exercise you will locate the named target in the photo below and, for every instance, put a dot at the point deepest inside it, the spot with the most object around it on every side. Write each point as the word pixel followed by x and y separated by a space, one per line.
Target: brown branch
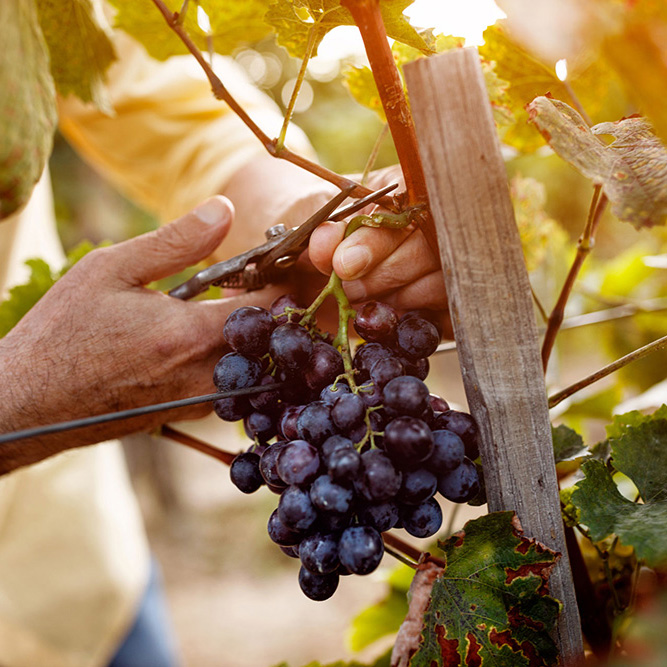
pixel 585 245
pixel 201 446
pixel 271 145
pixel 608 370
pixel 368 17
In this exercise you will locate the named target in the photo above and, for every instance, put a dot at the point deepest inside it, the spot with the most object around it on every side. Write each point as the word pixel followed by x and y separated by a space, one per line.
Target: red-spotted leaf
pixel 632 169
pixel 490 605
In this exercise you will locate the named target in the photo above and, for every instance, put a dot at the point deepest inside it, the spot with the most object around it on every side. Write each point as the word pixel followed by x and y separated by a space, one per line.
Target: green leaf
pixel 632 170
pixel 605 511
pixel 490 605
pixel 27 104
pixel 79 47
pixel 567 443
pixel 622 423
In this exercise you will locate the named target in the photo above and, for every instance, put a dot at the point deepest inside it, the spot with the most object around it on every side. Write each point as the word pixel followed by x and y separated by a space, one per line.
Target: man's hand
pixel 99 341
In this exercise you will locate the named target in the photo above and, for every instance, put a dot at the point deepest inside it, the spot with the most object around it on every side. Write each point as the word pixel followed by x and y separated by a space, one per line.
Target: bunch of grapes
pixel 352 449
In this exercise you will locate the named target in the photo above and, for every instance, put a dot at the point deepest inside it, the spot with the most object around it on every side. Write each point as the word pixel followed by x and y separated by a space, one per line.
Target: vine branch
pixel 199 445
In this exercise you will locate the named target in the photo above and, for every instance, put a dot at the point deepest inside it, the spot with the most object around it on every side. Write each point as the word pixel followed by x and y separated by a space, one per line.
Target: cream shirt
pixel 73 555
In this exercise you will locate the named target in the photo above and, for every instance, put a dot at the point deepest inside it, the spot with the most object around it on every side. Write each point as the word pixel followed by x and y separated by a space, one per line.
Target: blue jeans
pixel 150 641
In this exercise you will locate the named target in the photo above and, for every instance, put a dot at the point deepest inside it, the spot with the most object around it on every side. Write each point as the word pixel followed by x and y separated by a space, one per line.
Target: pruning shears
pixel 268 262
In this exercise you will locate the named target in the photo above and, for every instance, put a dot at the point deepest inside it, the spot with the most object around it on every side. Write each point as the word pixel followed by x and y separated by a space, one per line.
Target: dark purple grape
pixel 418 369
pixel 385 370
pixel 287 421
pixel 319 553
pixel 366 355
pixel 408 441
pixel 360 549
pixel 333 443
pixel 323 367
pixel 292 552
pixel 448 452
pixel 418 485
pixel 295 509
pixel 438 403
pixel 330 393
pixel 317 587
pixel 235 371
pixel 315 424
pixel 422 520
pixel 376 322
pixel 277 308
pixel 268 465
pixel 248 330
pixel 260 426
pixel 245 474
pixel 464 426
pixel 280 533
pixel 267 401
pixel 348 411
pixel 406 395
pixel 344 465
pixel 331 522
pixel 370 394
pixel 298 462
pixel 433 316
pixel 232 409
pixel 381 516
pixel 417 338
pixel 327 496
pixel 290 346
pixel 379 479
pixel 461 484
pixel 378 420
pixel 358 433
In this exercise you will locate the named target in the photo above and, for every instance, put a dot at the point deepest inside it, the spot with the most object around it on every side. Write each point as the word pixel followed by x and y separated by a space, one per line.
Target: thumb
pixel 175 246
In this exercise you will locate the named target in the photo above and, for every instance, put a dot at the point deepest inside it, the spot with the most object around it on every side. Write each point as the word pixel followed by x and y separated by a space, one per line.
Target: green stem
pixel 310 46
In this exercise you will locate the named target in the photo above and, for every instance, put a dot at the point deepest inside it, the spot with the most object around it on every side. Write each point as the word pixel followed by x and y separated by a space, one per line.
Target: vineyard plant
pixel 351 439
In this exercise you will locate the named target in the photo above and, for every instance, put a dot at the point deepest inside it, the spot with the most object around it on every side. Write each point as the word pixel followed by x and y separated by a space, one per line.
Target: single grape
pixel 385 370
pixel 365 356
pixel 379 478
pixel 260 426
pixel 370 394
pixel 358 433
pixel 287 421
pixel 295 509
pixel 461 484
pixel 417 338
pixel 330 393
pixel 268 465
pixel 327 496
pixel 233 408
pixel 324 366
pixel 406 395
pixel 448 452
pixel 245 474
pixel 381 516
pixel 408 441
pixel 290 346
pixel 348 411
pixel 248 330
pixel 418 485
pixel 317 587
pixel 418 368
pixel 376 321
pixel 438 403
pixel 464 426
pixel 360 549
pixel 333 443
pixel 319 553
pixel 236 371
pixel 280 533
pixel 422 520
pixel 298 462
pixel 433 316
pixel 279 306
pixel 315 424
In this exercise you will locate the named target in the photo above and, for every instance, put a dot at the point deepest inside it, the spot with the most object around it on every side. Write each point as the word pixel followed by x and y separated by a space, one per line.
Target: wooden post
pixel 491 306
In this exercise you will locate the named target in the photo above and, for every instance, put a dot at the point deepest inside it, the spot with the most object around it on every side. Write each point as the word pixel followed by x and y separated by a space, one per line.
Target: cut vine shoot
pixel 353 445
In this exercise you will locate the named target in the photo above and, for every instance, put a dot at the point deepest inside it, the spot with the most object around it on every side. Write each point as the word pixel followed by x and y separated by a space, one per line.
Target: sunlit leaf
pixel 632 169
pixel 361 84
pixel 79 46
pixel 491 604
pixel 27 104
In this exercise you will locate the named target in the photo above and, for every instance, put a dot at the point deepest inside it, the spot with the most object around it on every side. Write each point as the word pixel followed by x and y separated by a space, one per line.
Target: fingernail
pixel 355 290
pixel 354 260
pixel 212 211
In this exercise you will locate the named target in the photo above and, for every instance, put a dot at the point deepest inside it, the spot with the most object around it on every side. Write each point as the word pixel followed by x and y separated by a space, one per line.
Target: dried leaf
pixel 632 170
pixel 27 104
pixel 79 46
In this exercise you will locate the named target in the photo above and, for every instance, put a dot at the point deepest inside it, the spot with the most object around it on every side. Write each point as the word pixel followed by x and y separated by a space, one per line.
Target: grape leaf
pixel 527 77
pixel 567 443
pixel 605 511
pixel 632 170
pixel 27 104
pixel 297 21
pixel 621 423
pixel 490 605
pixel 79 47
